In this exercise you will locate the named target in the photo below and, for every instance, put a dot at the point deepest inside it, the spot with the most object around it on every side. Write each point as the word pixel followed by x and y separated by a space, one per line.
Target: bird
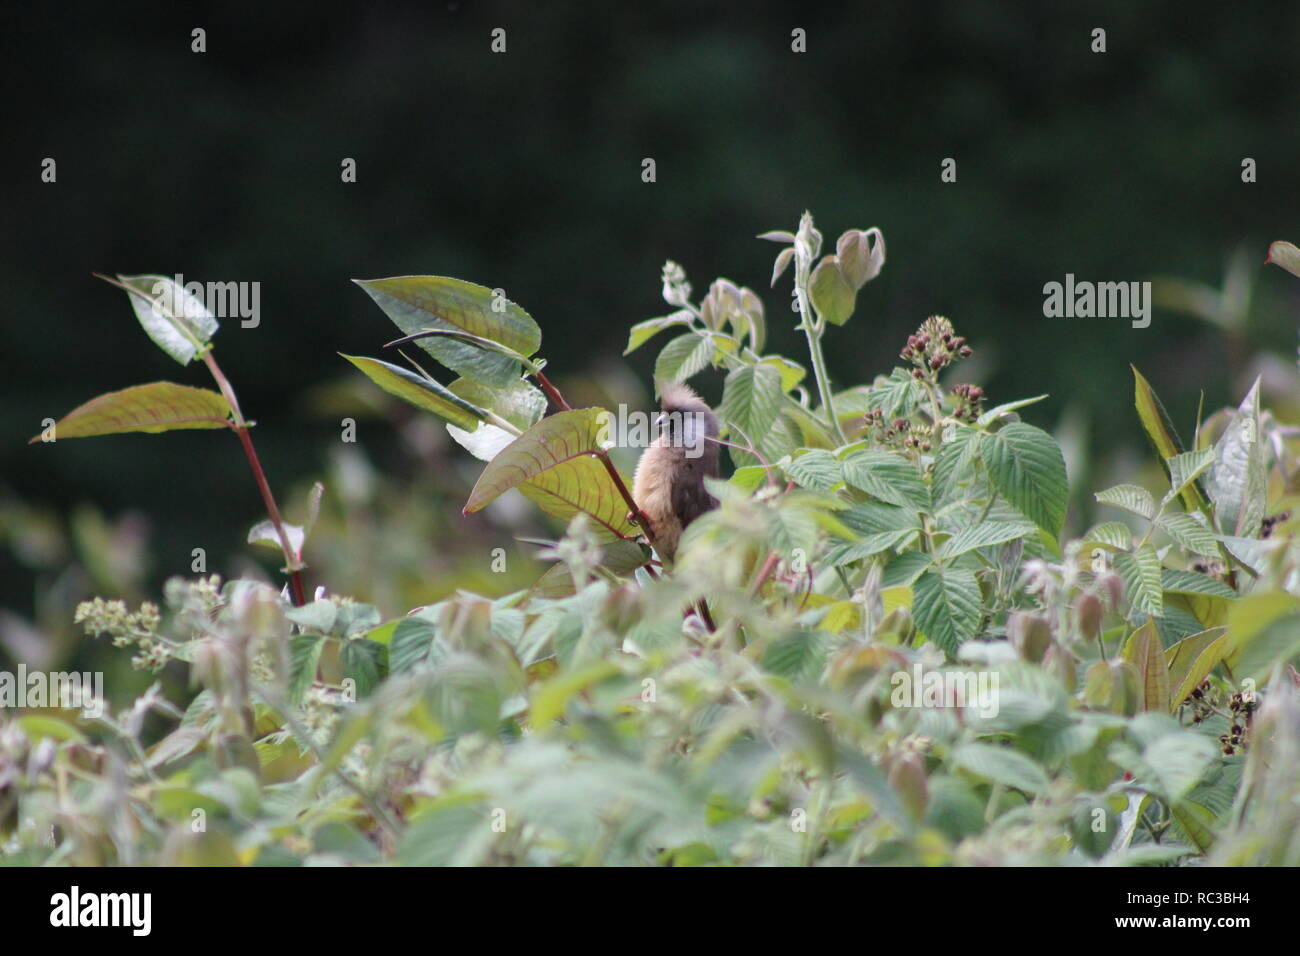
pixel 668 486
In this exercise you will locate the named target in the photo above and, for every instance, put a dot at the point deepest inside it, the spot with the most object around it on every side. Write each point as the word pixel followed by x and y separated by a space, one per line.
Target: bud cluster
pixel 898 433
pixel 934 347
pixel 970 402
pixel 1243 711
pixel 126 628
pixel 1271 522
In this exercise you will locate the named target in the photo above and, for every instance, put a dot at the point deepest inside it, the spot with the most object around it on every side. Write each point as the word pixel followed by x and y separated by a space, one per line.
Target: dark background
pixel 523 170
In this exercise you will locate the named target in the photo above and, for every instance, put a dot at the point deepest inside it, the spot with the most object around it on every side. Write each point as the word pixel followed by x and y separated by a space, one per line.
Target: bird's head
pixel 685 421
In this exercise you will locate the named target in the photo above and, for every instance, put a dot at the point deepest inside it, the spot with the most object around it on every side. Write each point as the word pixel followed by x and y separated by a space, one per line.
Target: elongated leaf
pixel 983 535
pixel 1131 498
pixel 153 408
pixel 520 403
pixel 554 466
pixel 1191 660
pixel 1026 466
pixel 946 606
pixel 415 303
pixel 582 484
pixel 1189 533
pixel 1001 411
pixel 1161 431
pixel 1193 582
pixel 561 437
pixel 887 476
pixel 1144 651
pixel 178 322
pixel 1185 468
pixel 420 392
pixel 1141 575
pixel 1236 482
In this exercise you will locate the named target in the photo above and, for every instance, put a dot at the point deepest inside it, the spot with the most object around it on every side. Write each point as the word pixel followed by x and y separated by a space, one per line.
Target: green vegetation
pixel 906 662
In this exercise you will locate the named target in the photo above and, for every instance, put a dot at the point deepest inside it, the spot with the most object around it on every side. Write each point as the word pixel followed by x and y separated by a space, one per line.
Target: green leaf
pixel 685 356
pixel 1026 466
pixel 1236 482
pixel 1258 618
pixel 956 461
pixel 1130 498
pixel 304 658
pixel 177 322
pixel 421 392
pixel 1001 411
pixel 1189 533
pixel 1141 575
pixel 1185 468
pixel 362 662
pixel 521 403
pixel 1191 660
pixel 1144 651
pixel 1001 765
pixel 411 644
pixel 153 408
pixel 1286 255
pixel 1114 534
pixel 1161 432
pixel 551 699
pixel 416 303
pixel 581 484
pixel 889 477
pixel 1192 582
pixel 897 395
pixel 562 437
pixel 946 606
pixel 800 655
pixel 818 470
pixel 983 535
pixel 832 295
pixel 643 332
pixel 752 398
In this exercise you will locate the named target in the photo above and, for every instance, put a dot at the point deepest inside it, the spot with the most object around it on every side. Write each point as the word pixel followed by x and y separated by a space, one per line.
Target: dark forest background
pixel 523 171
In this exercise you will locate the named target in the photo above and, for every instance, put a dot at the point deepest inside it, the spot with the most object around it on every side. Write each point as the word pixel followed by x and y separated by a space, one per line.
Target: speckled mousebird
pixel 669 483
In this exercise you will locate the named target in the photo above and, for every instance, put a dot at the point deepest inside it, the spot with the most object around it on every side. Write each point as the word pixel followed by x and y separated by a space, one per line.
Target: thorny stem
pixel 240 427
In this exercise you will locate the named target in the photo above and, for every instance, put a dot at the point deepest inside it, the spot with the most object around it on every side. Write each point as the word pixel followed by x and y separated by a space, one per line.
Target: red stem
pixel 240 427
